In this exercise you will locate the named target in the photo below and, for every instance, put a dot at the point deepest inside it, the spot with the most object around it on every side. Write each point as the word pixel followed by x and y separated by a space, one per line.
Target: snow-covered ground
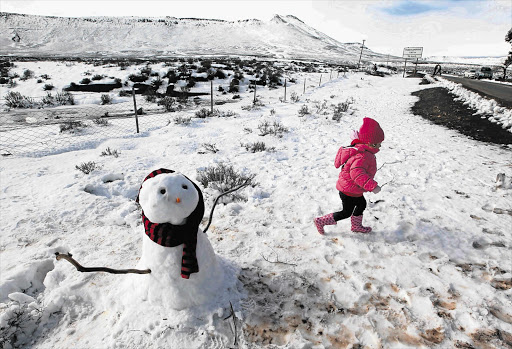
pixel 435 272
pixel 484 107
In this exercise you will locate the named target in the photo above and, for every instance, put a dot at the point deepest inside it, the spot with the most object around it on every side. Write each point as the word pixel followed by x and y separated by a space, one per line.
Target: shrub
pixel 87 167
pixel 19 322
pixel 180 120
pixel 45 76
pixel 157 83
pixel 106 99
pixel 303 111
pixel 97 77
pixel 85 81
pixel 6 80
pixel 276 129
pixel 72 126
pixel 168 103
pixel 341 108
pixel 101 122
pixel 48 87
pixel 109 152
pixel 224 178
pixel 209 148
pixel 220 74
pixel 150 95
pixel 257 147
pixel 48 99
pixel 203 113
pixel 234 86
pixel 294 97
pixel 17 100
pixel 65 98
pixel 27 74
pixel 125 93
pixel 320 107
pixel 137 78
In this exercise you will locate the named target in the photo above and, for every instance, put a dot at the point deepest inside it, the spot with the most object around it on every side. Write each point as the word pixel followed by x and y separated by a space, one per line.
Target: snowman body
pixel 172 198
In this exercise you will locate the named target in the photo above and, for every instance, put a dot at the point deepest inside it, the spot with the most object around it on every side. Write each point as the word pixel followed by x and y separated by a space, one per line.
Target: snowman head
pixel 168 198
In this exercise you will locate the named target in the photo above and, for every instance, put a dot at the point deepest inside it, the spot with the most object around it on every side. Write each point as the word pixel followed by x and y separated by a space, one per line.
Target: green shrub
pixel 65 98
pixel 224 178
pixel 106 99
pixel 48 87
pixel 72 126
pixel 87 167
pixel 85 81
pixel 168 103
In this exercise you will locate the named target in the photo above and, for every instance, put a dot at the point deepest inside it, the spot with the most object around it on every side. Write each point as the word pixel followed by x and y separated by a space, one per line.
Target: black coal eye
pixel 184 186
pixel 162 191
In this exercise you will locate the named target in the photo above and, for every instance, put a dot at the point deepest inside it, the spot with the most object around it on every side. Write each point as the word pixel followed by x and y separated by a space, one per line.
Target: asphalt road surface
pixel 500 92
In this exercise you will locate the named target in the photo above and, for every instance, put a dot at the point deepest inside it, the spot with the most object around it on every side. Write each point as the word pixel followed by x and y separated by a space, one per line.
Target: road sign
pixel 413 52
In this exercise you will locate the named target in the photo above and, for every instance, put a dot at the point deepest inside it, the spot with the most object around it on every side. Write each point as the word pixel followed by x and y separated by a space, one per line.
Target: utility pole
pixel 360 55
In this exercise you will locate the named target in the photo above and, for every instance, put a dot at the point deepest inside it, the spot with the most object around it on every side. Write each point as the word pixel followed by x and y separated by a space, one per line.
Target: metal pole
pixel 304 85
pixel 211 88
pixel 405 65
pixel 254 101
pixel 330 76
pixel 320 80
pixel 360 55
pixel 135 108
pixel 285 90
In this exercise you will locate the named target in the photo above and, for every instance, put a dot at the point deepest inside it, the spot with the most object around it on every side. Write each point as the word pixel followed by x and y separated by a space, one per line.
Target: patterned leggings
pixel 351 206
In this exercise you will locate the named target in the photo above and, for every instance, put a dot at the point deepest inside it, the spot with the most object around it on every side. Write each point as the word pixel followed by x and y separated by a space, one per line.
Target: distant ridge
pixel 282 37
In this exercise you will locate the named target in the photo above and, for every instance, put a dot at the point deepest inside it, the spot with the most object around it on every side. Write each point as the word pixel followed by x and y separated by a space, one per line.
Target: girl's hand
pixel 376 190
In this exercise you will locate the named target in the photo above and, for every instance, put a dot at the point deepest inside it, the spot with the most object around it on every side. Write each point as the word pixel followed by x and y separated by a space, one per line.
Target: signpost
pixel 411 53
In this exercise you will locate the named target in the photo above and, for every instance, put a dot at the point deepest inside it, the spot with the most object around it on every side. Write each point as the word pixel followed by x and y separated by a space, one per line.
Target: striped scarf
pixel 169 235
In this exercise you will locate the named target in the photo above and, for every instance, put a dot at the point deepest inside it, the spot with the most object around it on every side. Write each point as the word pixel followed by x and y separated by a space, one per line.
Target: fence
pixel 43 130
pixel 49 130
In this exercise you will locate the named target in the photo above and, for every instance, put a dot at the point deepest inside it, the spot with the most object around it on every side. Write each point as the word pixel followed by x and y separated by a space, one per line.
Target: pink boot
pixel 325 220
pixel 357 225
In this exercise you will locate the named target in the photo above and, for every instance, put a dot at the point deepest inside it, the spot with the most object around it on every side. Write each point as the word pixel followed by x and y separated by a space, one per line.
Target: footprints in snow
pixel 103 188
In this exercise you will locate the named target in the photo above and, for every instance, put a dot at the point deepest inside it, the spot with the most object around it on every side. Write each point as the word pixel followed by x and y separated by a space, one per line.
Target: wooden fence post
pixel 135 109
pixel 285 90
pixel 211 89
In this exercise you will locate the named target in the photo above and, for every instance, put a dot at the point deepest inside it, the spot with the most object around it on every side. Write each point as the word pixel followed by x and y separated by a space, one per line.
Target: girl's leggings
pixel 351 206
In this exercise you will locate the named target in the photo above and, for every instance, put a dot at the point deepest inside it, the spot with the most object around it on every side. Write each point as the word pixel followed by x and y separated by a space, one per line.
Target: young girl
pixel 358 167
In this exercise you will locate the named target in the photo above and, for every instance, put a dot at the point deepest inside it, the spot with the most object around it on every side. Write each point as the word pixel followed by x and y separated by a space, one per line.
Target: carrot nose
pixel 178 200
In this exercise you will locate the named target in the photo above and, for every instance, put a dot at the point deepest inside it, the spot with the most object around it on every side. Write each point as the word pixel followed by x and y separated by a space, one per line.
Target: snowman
pixel 185 271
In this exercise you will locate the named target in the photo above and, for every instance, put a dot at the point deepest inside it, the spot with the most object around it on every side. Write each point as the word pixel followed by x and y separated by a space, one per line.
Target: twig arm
pixel 247 182
pixel 80 268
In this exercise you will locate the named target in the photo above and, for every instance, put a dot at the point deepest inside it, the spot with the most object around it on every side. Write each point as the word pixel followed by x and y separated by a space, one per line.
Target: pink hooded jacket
pixel 360 166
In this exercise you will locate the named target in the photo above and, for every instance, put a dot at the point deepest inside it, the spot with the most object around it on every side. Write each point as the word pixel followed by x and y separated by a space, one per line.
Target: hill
pixel 282 37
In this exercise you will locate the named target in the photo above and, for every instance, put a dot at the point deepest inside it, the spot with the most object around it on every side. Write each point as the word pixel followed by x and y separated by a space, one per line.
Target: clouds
pixel 442 27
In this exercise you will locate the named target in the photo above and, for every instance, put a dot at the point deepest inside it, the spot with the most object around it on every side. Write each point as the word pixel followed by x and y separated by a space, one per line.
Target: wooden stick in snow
pixel 69 258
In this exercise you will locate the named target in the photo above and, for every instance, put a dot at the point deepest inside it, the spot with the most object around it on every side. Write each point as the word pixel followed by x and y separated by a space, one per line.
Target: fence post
pixel 338 74
pixel 304 85
pixel 330 76
pixel 254 101
pixel 211 88
pixel 135 109
pixel 285 90
pixel 320 80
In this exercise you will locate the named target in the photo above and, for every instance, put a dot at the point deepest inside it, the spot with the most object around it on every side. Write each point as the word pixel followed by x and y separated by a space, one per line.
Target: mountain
pixel 282 37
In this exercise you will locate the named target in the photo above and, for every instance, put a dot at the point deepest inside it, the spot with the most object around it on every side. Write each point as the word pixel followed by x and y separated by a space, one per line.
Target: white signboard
pixel 413 52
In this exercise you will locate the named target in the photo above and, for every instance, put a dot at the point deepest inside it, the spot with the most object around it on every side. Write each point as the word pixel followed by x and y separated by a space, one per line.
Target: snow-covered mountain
pixel 282 37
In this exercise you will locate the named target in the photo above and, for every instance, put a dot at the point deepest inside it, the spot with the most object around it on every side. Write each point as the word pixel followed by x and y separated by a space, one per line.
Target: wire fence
pixel 38 128
pixel 41 130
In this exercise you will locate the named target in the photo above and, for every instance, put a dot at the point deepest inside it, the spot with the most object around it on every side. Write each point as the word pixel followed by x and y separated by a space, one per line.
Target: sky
pixel 441 27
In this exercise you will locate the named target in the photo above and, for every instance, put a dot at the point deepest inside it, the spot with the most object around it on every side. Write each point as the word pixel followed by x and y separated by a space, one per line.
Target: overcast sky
pixel 442 27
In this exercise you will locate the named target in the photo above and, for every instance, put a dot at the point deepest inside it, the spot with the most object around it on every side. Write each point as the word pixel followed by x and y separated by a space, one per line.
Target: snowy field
pixel 435 272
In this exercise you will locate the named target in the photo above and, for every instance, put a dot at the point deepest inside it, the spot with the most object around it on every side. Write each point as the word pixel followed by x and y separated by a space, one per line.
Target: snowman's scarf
pixel 169 235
